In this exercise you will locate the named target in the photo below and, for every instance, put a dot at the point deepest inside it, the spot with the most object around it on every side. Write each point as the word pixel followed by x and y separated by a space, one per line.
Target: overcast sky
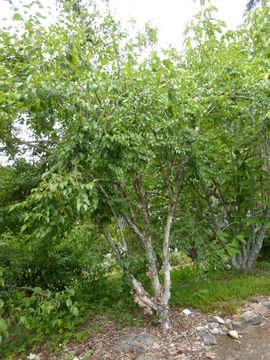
pixel 170 16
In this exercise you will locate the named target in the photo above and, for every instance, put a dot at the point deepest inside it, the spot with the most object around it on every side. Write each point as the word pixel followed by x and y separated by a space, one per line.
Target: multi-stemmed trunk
pixel 246 259
pixel 159 302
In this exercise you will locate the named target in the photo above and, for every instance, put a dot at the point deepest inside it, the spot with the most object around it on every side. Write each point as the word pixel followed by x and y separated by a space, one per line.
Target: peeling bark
pixel 159 303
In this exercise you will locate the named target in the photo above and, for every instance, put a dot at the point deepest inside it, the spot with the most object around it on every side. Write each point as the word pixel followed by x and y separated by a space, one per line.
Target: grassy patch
pixel 221 292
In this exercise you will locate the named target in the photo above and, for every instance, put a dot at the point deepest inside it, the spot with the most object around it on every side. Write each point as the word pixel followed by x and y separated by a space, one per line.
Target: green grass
pixel 221 292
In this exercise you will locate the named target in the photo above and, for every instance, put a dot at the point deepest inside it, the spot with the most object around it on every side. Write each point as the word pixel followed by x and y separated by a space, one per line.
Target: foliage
pixel 135 152
pixel 37 315
pixel 16 183
pixel 179 259
pixel 36 311
pixel 54 265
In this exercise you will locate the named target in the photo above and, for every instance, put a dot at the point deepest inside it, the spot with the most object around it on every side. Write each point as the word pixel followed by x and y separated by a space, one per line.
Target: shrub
pixel 179 259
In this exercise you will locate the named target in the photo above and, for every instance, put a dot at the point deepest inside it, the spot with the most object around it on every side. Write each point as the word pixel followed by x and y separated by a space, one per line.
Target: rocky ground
pixel 243 336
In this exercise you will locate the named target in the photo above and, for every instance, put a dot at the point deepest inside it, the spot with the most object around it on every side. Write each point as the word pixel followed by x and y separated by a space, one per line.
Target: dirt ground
pixel 181 339
pixel 254 345
pixel 181 342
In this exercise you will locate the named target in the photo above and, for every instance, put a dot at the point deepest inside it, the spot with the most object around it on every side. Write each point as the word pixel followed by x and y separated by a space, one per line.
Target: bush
pixel 36 311
pixel 179 259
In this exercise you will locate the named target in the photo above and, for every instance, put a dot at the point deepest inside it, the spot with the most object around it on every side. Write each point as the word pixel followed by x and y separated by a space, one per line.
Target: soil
pixel 149 342
pixel 254 345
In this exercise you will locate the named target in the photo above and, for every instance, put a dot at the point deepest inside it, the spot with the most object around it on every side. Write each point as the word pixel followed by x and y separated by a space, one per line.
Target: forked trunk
pixel 159 303
pixel 150 305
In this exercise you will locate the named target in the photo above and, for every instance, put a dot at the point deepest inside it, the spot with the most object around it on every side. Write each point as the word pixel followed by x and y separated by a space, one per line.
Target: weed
pixel 87 355
pixel 138 322
pixel 118 326
pixel 70 356
pixel 79 336
pixel 179 259
pixel 98 328
pixel 127 318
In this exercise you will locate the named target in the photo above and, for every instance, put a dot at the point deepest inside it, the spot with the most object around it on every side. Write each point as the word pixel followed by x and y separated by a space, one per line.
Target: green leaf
pixel 71 291
pixel 222 235
pixel 17 17
pixel 2 303
pixel 22 320
pixel 3 326
pixel 74 310
pixel 38 290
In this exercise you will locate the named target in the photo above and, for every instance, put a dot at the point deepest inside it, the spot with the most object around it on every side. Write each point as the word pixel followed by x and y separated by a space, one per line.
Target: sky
pixel 170 16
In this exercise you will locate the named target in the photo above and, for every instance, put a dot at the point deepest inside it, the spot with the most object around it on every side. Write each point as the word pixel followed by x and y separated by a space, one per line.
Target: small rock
pixel 256 320
pixel 233 334
pixel 260 309
pixel 248 317
pixel 135 342
pixel 240 326
pixel 207 337
pixel 267 304
pixel 224 329
pixel 214 331
pixel 213 325
pixel 199 328
pixel 33 357
pixel 219 320
pixel 240 322
pixel 228 324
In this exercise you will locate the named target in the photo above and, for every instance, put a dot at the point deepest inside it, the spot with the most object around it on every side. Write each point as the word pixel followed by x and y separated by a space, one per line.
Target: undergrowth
pixel 110 297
